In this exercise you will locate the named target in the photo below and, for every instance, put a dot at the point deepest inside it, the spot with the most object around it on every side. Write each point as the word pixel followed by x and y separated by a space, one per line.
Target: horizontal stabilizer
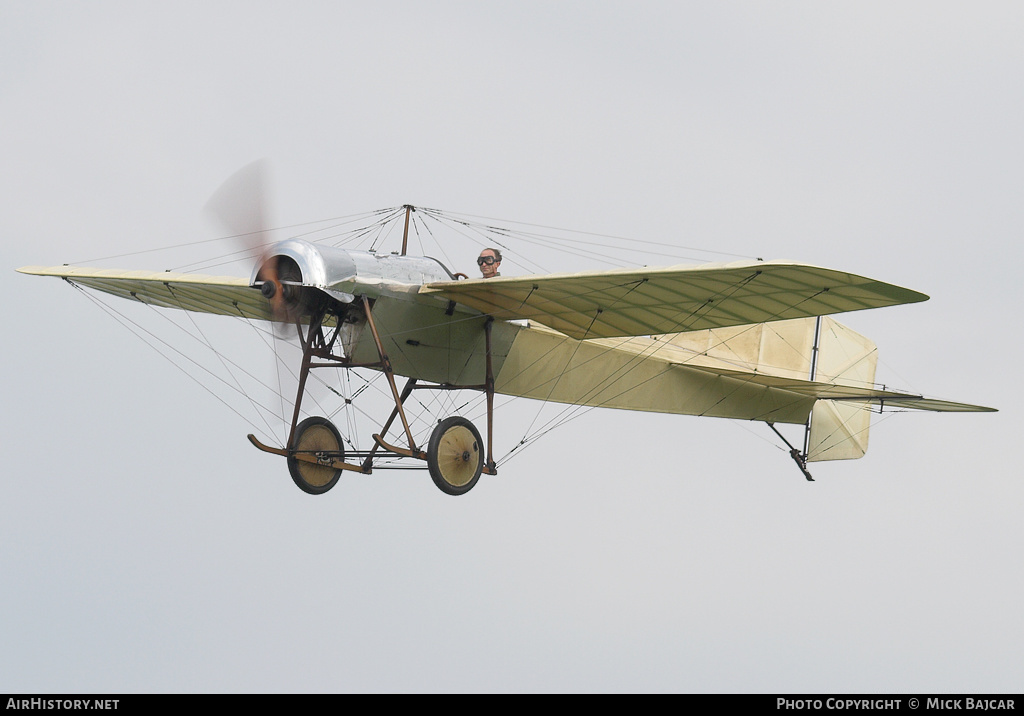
pixel 910 402
pixel 854 394
pixel 813 389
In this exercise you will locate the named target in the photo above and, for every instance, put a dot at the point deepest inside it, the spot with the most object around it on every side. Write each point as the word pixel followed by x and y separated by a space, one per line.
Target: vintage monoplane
pixel 750 340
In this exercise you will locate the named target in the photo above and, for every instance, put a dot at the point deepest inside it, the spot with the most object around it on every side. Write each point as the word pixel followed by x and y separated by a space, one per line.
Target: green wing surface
pixel 637 302
pixel 222 295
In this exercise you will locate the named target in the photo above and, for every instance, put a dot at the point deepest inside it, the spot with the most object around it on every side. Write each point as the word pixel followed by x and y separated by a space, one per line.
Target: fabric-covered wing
pixel 636 302
pixel 223 295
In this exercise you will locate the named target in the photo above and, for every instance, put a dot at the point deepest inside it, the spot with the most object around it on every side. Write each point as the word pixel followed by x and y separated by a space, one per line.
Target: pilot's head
pixel 489 261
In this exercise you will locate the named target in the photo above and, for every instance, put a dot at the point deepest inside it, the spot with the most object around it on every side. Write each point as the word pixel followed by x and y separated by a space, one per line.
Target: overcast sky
pixel 146 546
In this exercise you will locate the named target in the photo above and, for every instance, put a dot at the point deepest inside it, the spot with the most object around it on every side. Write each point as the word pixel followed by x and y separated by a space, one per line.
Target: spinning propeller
pixel 241 206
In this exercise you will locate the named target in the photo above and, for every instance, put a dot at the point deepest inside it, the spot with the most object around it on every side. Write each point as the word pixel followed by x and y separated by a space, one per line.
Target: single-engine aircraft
pixel 752 340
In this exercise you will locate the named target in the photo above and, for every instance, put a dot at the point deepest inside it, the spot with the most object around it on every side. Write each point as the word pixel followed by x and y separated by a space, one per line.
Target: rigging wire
pixel 484 240
pixel 254 252
pixel 590 233
pixel 556 242
pixel 232 368
pixel 215 239
pixel 138 331
pixel 219 356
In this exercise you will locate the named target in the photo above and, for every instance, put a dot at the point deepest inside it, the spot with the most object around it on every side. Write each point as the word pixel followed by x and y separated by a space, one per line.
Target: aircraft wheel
pixel 455 455
pixel 316 434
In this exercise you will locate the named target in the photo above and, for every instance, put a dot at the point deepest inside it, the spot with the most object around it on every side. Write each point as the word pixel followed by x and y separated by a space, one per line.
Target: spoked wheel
pixel 455 455
pixel 316 435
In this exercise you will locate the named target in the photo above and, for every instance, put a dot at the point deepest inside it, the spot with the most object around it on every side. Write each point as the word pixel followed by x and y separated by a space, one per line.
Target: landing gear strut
pixel 455 455
pixel 799 458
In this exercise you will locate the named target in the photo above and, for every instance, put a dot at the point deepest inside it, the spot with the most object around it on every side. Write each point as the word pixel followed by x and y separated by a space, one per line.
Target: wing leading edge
pixel 637 302
pixel 222 295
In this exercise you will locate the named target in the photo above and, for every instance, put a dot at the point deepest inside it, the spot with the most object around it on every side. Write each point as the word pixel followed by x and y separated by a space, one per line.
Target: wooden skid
pixel 311 458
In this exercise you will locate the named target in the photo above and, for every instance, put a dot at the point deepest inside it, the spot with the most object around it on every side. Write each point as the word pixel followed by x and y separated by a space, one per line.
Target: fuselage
pixel 425 337
pixel 432 339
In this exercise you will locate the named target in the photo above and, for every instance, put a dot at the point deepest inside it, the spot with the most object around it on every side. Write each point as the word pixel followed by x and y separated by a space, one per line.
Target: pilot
pixel 489 261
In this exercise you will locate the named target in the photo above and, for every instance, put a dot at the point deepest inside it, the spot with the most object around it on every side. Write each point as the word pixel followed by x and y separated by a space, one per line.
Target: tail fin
pixel 790 350
pixel 838 430
pixel 817 357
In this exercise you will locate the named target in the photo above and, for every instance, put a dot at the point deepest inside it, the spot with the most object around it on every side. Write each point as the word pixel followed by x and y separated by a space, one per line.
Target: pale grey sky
pixel 146 546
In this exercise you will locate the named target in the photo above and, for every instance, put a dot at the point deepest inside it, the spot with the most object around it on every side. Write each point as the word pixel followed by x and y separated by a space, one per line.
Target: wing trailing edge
pixel 650 301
